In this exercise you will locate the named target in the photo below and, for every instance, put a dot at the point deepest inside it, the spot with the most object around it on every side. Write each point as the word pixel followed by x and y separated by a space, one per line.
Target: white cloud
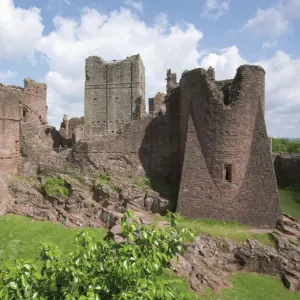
pixel 19 30
pixel 7 75
pixel 270 44
pixel 161 46
pixel 137 5
pixel 67 47
pixel 282 86
pixel 216 8
pixel 274 21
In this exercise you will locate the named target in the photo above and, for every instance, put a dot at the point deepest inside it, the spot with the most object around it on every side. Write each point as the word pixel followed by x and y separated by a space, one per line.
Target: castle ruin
pixel 204 136
pixel 19 105
pixel 227 172
pixel 114 94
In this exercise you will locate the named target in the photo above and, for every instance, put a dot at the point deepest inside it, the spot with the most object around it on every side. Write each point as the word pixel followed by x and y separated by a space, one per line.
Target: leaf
pixel 13 285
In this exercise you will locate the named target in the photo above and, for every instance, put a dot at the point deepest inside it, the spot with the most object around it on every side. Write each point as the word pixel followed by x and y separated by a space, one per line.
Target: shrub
pixel 55 187
pixel 285 145
pixel 102 270
pixel 184 72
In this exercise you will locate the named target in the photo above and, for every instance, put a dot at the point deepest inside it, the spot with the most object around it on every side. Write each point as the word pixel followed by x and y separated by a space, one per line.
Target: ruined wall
pixel 287 169
pixel 157 105
pixel 37 154
pixel 71 131
pixel 171 80
pixel 141 149
pixel 10 97
pixel 4 195
pixel 114 94
pixel 173 130
pixel 34 102
pixel 227 167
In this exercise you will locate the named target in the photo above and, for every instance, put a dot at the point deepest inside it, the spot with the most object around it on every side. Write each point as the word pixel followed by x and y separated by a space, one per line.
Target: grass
pixel 231 230
pixel 53 186
pixel 252 286
pixel 20 237
pixel 103 179
pixel 142 182
pixel 290 201
pixel 77 177
pixel 245 286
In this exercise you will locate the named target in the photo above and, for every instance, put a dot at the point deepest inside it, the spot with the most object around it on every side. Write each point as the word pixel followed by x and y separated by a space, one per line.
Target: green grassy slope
pixel 20 237
pixel 290 202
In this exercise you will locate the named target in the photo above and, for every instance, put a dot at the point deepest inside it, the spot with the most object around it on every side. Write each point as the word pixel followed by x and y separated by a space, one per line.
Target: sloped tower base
pixel 227 169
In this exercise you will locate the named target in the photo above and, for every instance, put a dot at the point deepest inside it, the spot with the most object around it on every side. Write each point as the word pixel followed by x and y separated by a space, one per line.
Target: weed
pixel 55 187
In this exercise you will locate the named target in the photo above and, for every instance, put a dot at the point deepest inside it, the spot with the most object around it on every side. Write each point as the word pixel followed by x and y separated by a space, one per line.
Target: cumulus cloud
pixel 19 30
pixel 216 8
pixel 137 5
pixel 7 75
pixel 121 33
pixel 274 21
pixel 282 86
pixel 112 36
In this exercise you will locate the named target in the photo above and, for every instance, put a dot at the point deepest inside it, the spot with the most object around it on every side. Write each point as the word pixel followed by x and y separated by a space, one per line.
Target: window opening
pixel 227 173
pixel 24 115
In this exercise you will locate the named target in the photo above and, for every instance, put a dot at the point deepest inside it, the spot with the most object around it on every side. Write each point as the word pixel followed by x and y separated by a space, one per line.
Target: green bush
pixel 184 72
pixel 285 145
pixel 102 270
pixel 55 187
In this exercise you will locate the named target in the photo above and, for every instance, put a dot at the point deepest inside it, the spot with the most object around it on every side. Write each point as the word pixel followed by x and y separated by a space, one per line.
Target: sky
pixel 48 41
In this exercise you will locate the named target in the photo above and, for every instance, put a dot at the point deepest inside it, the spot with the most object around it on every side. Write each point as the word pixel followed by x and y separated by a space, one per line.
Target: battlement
pixel 231 92
pixel 99 60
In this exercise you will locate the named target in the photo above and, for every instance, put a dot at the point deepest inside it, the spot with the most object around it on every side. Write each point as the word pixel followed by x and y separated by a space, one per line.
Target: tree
pixel 102 270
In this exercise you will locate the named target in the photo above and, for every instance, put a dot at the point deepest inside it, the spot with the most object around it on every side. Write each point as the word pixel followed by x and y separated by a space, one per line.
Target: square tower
pixel 114 94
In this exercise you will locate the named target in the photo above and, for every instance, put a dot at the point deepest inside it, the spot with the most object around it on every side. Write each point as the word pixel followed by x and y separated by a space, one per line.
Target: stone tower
pixel 34 102
pixel 227 172
pixel 114 94
pixel 10 97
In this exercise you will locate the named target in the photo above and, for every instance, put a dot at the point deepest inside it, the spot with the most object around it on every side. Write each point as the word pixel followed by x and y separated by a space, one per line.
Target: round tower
pixel 227 168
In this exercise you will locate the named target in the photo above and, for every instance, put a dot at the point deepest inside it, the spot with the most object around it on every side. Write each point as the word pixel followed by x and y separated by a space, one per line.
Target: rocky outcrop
pixel 91 203
pixel 209 261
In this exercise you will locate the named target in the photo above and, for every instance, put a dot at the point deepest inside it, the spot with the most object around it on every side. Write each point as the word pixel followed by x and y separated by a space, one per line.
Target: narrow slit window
pixel 227 173
pixel 24 115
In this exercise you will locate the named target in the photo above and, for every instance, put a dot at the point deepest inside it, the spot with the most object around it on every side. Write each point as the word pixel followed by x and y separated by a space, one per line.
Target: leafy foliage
pixel 184 72
pixel 102 270
pixel 285 145
pixel 142 182
pixel 55 187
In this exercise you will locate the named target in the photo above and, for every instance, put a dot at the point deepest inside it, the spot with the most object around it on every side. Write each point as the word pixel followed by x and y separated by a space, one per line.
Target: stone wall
pixel 71 131
pixel 37 150
pixel 4 195
pixel 10 97
pixel 287 169
pixel 18 106
pixel 227 169
pixel 157 104
pixel 114 94
pixel 34 102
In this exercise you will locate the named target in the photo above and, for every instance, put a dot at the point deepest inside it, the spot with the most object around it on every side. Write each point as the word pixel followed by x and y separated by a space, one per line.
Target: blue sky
pixel 49 40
